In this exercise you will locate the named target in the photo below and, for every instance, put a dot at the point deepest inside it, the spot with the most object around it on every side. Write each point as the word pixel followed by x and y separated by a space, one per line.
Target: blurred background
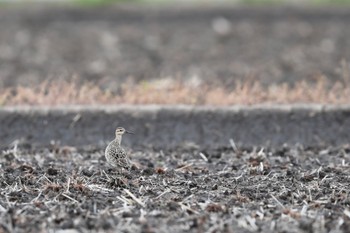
pixel 174 52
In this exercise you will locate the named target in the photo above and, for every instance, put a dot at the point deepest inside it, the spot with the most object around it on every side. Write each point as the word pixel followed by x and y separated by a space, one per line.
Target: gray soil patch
pixel 166 127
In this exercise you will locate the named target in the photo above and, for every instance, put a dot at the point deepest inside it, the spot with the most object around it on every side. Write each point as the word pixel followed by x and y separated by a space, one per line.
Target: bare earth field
pixel 184 190
pixel 189 174
pixel 219 45
pixel 287 169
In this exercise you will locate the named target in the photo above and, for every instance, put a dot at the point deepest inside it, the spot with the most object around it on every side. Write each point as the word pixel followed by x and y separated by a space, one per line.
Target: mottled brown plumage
pixel 115 154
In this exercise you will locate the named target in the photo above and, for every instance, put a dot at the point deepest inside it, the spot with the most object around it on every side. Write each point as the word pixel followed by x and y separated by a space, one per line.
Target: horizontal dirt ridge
pixel 171 126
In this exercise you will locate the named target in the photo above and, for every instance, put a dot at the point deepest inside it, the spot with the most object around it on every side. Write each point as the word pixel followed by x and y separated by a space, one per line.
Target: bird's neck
pixel 118 139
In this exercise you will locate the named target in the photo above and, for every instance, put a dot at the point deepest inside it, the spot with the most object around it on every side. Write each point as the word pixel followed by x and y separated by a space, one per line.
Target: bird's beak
pixel 129 132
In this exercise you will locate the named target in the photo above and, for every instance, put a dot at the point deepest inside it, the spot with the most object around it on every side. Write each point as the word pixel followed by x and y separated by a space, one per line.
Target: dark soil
pixel 220 45
pixel 184 190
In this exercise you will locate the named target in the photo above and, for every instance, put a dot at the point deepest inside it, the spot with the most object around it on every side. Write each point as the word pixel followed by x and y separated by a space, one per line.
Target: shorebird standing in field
pixel 115 154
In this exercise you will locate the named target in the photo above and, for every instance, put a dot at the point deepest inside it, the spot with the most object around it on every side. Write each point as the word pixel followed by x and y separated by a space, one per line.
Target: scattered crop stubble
pixel 291 189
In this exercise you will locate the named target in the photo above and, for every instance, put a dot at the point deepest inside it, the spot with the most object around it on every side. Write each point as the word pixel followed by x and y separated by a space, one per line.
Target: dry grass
pixel 168 91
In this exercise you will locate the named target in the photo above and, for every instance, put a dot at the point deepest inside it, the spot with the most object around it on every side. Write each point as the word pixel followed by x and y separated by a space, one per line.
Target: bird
pixel 115 154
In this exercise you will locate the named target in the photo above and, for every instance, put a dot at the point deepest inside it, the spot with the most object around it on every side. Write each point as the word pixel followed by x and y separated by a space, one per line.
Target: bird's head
pixel 120 131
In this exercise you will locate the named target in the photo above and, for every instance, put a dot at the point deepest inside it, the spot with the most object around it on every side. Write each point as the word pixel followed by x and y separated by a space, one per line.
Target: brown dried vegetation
pixel 169 91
